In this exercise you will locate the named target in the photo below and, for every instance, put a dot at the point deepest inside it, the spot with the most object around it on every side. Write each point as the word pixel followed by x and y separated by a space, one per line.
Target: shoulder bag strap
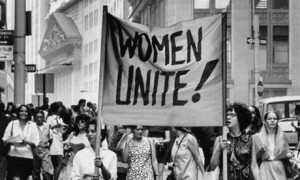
pixel 12 128
pixel 178 147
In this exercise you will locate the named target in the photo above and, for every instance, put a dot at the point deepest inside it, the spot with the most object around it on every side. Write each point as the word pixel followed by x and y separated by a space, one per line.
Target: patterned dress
pixel 239 157
pixel 140 162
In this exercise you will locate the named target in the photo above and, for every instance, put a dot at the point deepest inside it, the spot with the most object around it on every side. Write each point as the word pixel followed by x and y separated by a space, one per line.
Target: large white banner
pixel 163 76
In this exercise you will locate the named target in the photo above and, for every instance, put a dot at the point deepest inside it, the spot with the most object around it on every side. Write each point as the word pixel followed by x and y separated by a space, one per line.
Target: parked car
pixel 288 109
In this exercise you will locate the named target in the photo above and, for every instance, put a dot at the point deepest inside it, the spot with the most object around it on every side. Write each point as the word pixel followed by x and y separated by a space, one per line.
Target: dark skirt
pixel 19 167
pixel 162 154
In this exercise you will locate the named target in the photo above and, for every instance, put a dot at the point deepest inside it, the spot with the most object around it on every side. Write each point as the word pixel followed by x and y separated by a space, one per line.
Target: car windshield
pixel 288 109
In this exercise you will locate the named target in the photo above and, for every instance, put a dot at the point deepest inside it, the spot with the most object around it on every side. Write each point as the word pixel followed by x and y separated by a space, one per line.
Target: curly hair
pixel 28 112
pixel 243 114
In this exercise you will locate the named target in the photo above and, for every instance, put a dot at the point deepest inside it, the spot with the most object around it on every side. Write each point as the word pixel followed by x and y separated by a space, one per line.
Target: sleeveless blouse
pixel 140 162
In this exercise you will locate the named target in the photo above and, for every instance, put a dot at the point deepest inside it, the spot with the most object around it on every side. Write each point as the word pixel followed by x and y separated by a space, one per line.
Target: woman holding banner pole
pixel 238 144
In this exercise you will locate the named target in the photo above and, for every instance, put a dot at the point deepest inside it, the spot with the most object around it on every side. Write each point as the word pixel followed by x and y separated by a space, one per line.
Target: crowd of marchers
pixel 55 142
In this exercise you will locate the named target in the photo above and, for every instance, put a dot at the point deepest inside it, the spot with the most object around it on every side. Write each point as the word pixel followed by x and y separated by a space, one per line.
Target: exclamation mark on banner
pixel 210 66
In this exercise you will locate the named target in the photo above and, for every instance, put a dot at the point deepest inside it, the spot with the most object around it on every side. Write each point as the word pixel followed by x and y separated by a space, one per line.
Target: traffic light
pixel 2 14
pixel 2 66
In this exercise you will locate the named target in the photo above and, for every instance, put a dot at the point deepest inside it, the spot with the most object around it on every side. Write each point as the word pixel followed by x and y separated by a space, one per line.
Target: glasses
pixel 252 112
pixel 231 114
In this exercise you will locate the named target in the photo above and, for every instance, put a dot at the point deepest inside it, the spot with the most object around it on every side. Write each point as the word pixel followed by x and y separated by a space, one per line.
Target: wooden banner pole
pixel 224 89
pixel 101 82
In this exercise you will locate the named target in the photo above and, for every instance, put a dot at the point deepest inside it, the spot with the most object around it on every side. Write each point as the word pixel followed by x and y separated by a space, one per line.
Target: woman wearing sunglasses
pixel 76 141
pixel 22 136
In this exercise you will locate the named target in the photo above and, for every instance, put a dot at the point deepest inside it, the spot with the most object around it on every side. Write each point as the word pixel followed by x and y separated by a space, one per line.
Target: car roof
pixel 280 99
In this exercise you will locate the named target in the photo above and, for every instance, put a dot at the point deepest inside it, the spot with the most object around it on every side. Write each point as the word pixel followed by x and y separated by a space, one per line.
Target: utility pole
pixel 19 52
pixel 256 48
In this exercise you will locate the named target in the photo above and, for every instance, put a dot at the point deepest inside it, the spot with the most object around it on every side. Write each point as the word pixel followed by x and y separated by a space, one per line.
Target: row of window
pixel 88 2
pixel 221 4
pixel 91 86
pixel 90 48
pixel 204 4
pixel 91 20
pixel 90 70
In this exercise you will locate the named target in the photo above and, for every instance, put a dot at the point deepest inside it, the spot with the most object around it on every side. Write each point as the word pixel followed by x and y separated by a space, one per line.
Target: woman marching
pixel 22 135
pixel 139 153
pixel 256 122
pixel 270 149
pixel 186 156
pixel 238 144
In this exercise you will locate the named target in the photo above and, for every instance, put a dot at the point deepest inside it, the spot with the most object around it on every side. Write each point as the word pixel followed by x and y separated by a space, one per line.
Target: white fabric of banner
pixel 163 76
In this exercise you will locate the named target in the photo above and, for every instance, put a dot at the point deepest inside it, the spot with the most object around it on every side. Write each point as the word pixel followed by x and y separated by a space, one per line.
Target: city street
pixel 223 75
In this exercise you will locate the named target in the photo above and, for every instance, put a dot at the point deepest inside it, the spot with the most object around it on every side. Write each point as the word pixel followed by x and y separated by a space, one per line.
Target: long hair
pixel 280 137
pixel 84 117
pixel 54 108
pixel 257 122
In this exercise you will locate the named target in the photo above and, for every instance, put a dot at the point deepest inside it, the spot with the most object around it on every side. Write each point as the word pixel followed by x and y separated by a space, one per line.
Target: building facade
pixel 71 49
pixel 277 60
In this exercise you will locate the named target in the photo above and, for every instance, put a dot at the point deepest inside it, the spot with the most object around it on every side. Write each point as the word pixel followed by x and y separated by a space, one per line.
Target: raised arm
pixel 167 137
pixel 125 150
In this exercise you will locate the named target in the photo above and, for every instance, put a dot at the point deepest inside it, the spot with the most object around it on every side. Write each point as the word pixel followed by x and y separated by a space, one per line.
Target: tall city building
pixel 38 24
pixel 119 8
pixel 6 76
pixel 278 52
pixel 71 49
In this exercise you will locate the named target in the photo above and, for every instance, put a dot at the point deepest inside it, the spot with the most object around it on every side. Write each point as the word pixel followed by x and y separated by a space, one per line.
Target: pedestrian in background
pixel 270 149
pixel 117 145
pixel 238 144
pixel 3 149
pixel 256 122
pixel 76 141
pixel 161 137
pixel 57 126
pixel 85 160
pixel 140 154
pixel 11 110
pixel 82 104
pixel 41 155
pixel 90 110
pixel 186 156
pixel 22 136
